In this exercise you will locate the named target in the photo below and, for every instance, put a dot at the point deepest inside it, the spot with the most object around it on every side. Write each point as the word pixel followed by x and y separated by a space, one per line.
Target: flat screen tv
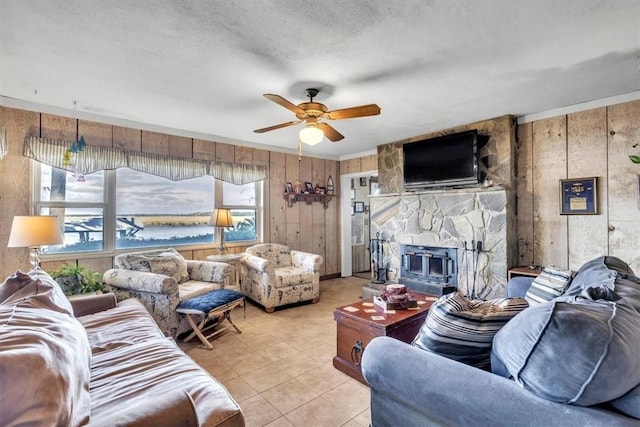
pixel 446 161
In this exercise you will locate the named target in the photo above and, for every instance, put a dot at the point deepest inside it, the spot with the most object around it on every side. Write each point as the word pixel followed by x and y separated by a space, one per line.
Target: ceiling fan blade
pixel 281 125
pixel 330 132
pixel 350 113
pixel 283 102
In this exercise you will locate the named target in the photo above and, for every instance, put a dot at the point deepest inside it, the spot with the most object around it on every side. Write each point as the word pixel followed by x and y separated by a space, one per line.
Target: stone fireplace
pixel 455 219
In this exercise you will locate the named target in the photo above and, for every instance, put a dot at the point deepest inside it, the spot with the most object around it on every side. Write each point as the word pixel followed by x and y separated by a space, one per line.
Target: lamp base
pixel 34 258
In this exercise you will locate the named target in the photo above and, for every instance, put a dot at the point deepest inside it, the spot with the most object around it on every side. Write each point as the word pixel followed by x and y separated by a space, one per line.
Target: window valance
pixel 95 158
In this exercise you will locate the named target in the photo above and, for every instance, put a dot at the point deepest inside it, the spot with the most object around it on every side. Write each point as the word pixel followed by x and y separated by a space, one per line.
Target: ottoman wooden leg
pixel 198 332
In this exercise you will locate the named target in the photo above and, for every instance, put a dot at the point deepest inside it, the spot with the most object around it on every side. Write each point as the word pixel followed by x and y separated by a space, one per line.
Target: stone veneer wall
pixel 449 217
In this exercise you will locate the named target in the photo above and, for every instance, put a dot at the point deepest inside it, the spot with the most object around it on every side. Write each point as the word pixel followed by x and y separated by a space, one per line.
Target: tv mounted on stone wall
pixel 446 161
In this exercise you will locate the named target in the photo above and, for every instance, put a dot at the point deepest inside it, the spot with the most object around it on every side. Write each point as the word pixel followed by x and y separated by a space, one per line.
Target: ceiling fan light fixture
pixel 311 134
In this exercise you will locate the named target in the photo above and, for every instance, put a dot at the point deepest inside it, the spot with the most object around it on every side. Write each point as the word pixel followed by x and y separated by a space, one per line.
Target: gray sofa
pixel 413 387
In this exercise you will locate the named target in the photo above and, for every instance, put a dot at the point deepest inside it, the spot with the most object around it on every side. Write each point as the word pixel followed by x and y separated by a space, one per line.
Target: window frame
pixel 218 202
pixel 108 206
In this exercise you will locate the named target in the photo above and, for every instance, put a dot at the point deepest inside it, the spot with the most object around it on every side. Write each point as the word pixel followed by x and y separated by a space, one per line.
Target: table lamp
pixel 32 232
pixel 221 218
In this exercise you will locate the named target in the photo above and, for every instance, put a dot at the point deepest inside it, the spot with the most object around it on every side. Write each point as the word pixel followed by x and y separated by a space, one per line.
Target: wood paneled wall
pixel 593 143
pixel 308 227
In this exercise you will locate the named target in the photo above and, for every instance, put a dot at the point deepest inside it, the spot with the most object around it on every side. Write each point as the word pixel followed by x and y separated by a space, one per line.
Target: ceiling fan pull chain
pixel 299 150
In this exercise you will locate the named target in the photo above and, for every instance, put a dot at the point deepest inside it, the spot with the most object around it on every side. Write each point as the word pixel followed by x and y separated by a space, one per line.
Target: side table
pixel 523 271
pixel 234 261
pixel 358 323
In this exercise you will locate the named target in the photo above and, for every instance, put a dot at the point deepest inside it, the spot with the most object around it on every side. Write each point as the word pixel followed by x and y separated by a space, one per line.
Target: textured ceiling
pixel 199 68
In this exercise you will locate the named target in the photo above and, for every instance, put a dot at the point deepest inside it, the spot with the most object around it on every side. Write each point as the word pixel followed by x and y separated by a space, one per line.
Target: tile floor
pixel 279 369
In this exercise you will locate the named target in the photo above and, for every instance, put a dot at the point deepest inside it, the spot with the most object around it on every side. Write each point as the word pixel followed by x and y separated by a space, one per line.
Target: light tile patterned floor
pixel 279 369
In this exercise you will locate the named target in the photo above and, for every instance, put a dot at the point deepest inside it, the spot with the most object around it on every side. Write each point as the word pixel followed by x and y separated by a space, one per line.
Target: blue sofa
pixel 413 387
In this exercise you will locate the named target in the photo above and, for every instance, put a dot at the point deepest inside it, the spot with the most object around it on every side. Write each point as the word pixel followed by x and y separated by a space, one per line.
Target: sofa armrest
pixel 173 408
pixel 410 386
pixel 92 303
pixel 518 286
pixel 306 260
pixel 208 271
pixel 140 281
pixel 253 262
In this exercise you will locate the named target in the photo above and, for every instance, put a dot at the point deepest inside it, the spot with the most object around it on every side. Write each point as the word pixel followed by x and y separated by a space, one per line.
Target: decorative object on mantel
pixel 288 187
pixel 330 188
pixel 3 141
pixel 578 196
pixel 297 187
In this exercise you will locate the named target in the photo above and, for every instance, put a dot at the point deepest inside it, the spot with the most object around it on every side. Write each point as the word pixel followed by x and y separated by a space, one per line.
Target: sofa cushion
pixel 195 288
pixel 577 349
pixel 163 261
pixel 36 290
pixel 549 284
pixel 291 276
pixel 463 329
pixel 44 355
pixel 629 403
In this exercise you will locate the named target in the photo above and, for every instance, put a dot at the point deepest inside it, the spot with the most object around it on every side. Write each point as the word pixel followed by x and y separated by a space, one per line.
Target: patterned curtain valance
pixel 94 158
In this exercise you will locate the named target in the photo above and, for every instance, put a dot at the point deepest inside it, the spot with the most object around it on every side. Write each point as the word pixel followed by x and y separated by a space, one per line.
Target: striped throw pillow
pixel 463 329
pixel 550 283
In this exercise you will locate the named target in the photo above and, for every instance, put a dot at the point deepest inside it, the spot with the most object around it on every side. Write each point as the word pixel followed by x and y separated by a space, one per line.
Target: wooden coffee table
pixel 357 325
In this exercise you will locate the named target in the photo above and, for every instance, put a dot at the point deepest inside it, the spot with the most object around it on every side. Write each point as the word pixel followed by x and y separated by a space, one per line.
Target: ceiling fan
pixel 313 113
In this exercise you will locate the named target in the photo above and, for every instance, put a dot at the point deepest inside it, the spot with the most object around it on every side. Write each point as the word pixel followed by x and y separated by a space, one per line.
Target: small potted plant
pixel 75 279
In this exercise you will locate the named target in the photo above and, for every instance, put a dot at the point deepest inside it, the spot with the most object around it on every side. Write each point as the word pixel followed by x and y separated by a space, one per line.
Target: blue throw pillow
pixel 576 349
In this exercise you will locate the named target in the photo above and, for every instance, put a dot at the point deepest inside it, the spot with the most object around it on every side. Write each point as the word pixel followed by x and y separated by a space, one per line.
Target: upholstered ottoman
pixel 213 305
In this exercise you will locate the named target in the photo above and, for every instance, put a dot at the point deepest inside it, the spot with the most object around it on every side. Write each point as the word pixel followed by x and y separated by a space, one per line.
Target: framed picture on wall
pixel 579 196
pixel 288 187
pixel 358 207
pixel 308 187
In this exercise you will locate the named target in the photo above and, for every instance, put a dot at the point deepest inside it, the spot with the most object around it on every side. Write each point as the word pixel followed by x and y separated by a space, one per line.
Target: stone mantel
pixel 451 218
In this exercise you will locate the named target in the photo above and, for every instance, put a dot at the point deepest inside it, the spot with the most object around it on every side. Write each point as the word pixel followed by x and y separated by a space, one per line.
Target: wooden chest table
pixel 357 325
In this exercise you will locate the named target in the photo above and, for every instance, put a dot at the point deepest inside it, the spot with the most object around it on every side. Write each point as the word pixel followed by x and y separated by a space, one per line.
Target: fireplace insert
pixel 429 269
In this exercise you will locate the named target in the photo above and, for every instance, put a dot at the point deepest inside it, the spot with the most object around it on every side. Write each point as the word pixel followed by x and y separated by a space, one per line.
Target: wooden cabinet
pixel 357 325
pixel 291 198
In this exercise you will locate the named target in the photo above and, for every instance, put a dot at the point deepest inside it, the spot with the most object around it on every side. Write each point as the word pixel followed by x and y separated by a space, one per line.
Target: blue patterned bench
pixel 213 305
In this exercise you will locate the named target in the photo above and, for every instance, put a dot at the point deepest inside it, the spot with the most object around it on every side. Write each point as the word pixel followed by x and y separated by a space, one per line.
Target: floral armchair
pixel 161 279
pixel 273 275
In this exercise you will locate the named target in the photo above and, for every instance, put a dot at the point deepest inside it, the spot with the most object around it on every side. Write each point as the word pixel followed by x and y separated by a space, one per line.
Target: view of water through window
pixel 150 210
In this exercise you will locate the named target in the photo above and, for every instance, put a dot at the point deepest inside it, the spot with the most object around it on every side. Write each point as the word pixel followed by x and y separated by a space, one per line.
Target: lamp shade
pixel 221 218
pixel 34 231
pixel 311 134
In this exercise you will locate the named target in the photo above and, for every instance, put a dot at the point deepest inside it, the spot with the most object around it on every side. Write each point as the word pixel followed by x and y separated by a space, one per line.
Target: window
pixel 243 202
pixel 124 208
pixel 155 211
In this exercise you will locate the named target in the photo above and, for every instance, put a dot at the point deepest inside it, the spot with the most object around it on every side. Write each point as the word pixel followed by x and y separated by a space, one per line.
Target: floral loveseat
pixel 161 279
pixel 273 275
